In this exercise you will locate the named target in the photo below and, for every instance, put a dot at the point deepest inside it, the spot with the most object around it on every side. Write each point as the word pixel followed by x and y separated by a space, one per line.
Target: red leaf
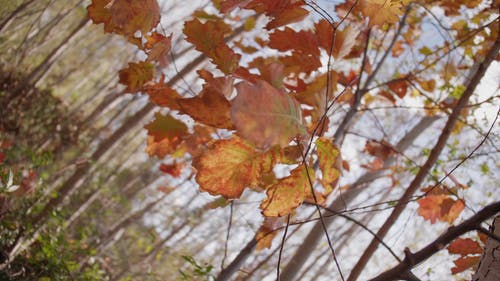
pixel 399 88
pixel 174 169
pixel 464 246
pixel 464 263
pixel 289 39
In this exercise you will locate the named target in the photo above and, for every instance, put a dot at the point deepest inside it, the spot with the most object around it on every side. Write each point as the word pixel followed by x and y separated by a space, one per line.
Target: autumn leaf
pixel 329 163
pixel 99 12
pixel 399 87
pixel 343 42
pixel 158 48
pixel 165 126
pixel 205 36
pixel 162 95
pixel 130 16
pixel 210 108
pixel 304 47
pixel 265 116
pixel 291 14
pixel 232 165
pixel 225 58
pixel 165 133
pixel 281 12
pixel 289 39
pixel 464 263
pixel 289 193
pixel 381 12
pixel 440 207
pixel 208 38
pixel 136 75
pixel 223 85
pixel 125 16
pixel 464 246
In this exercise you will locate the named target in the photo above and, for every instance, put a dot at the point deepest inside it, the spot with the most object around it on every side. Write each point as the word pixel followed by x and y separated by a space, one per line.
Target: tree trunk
pixel 489 266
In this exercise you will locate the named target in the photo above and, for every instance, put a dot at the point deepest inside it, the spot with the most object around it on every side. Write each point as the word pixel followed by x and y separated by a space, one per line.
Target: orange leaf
pixel 136 75
pixel 429 207
pixel 451 209
pixel 231 165
pixel 439 207
pixel 329 163
pixel 289 193
pixel 209 108
pixel 464 263
pixel 381 12
pixel 464 246
pixel 266 116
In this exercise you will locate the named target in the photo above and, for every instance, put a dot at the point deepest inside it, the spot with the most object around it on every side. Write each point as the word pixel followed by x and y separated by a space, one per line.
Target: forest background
pixel 88 194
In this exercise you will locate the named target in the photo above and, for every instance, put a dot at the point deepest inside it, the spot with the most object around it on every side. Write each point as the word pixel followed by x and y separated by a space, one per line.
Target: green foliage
pixel 197 271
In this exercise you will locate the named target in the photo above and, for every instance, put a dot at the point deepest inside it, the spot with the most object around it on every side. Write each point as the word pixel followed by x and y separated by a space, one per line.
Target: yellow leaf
pixel 329 163
pixel 289 193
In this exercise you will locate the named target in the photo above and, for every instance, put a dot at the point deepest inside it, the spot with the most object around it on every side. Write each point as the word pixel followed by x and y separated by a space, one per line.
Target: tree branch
pixel 478 71
pixel 412 259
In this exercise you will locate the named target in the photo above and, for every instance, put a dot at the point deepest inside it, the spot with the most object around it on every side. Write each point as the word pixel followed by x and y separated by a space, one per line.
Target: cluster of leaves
pixel 265 114
pixel 469 252
pixel 273 110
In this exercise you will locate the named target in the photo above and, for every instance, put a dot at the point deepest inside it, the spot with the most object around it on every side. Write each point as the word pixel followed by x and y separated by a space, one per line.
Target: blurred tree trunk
pixel 489 266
